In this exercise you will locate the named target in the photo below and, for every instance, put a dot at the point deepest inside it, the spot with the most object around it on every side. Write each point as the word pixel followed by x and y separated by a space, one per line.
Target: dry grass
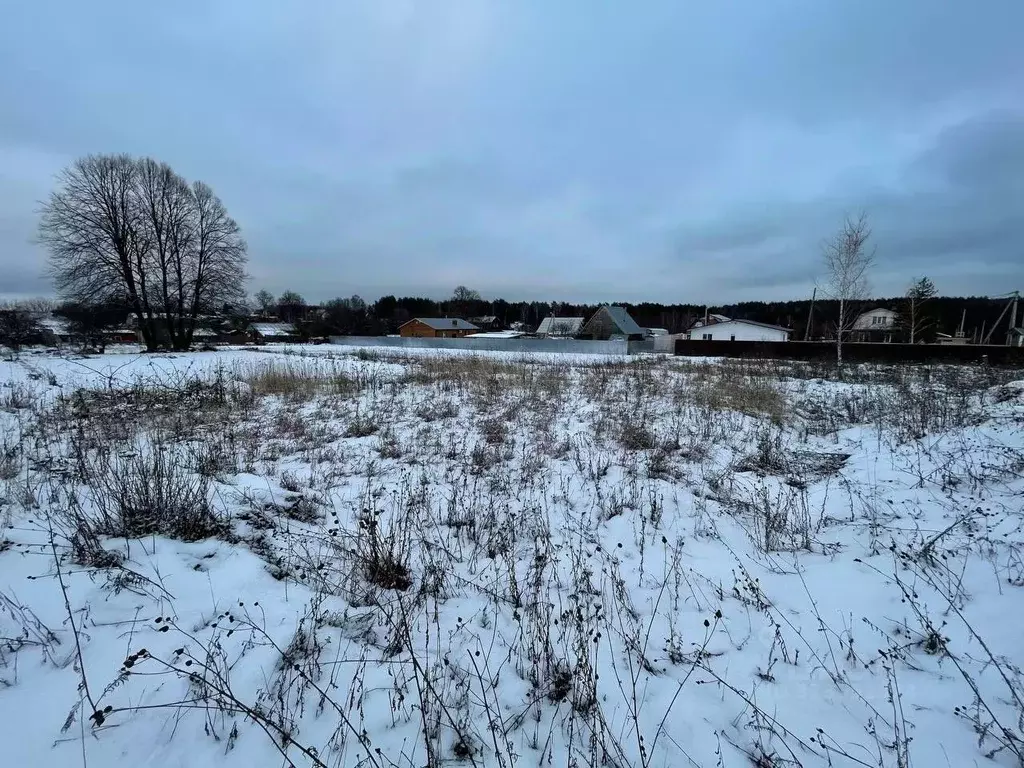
pixel 488 483
pixel 297 382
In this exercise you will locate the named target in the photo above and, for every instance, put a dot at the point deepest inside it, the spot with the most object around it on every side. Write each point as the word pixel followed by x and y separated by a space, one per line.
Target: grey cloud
pixel 691 152
pixel 985 152
pixel 953 213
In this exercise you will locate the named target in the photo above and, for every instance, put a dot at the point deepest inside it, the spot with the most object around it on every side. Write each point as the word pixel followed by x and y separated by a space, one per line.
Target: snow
pixel 560 326
pixel 495 335
pixel 654 562
pixel 274 329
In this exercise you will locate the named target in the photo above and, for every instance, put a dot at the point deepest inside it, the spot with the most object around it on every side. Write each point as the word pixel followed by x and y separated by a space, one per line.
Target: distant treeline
pixel 355 316
pixel 389 312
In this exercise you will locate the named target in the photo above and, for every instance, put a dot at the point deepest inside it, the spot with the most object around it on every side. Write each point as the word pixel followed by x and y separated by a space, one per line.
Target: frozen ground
pixel 335 557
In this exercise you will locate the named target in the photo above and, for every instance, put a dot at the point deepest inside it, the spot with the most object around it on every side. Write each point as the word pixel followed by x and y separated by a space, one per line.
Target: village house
pixel 437 328
pixel 266 333
pixel 738 330
pixel 56 331
pixel 710 319
pixel 878 324
pixel 488 323
pixel 560 327
pixel 612 322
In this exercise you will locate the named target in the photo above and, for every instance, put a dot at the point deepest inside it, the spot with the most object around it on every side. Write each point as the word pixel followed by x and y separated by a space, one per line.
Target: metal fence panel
pixel 563 346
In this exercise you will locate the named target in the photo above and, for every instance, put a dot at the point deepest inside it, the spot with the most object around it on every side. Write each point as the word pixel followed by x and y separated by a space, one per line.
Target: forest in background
pixel 353 316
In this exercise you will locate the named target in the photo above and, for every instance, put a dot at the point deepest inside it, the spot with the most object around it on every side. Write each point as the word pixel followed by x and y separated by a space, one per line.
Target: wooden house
pixel 437 328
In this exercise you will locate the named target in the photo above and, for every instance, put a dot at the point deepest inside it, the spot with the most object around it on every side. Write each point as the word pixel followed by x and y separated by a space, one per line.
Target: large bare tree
pixel 120 228
pixel 848 260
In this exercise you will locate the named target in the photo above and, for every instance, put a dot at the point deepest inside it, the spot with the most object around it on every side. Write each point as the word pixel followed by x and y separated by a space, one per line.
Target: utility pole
pixel 810 314
pixel 1013 318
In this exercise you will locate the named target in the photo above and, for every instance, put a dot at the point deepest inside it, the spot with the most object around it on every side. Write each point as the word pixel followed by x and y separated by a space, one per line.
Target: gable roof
pixel 711 319
pixel 273 329
pixel 626 324
pixel 566 326
pixel 754 323
pixel 56 325
pixel 444 323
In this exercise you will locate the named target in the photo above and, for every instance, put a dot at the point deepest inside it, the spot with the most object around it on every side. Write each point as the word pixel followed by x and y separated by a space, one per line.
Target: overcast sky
pixel 590 150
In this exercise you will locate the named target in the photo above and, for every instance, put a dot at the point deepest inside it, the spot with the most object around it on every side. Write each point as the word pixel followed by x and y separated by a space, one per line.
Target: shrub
pixel 8 461
pixel 151 491
pixel 361 425
pixel 635 434
pixel 384 555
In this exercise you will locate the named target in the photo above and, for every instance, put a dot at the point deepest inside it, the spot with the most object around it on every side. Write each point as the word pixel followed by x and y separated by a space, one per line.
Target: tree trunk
pixel 913 319
pixel 839 333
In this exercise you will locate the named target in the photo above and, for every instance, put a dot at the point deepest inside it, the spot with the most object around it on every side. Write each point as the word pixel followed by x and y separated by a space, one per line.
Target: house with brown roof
pixel 437 328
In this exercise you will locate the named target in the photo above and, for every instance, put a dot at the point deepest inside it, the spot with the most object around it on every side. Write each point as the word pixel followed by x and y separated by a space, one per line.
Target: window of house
pixel 706 337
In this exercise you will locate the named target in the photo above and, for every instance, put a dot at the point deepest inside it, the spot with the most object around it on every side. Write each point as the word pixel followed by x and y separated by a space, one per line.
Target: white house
pixel 878 324
pixel 875 319
pixel 740 330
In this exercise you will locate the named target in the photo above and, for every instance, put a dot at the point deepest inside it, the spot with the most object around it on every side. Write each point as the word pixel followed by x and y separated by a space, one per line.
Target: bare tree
pixel 19 325
pixel 848 260
pixel 291 307
pixel 90 227
pixel 166 215
pixel 265 301
pixel 215 263
pixel 90 323
pixel 917 296
pixel 462 293
pixel 124 229
pixel 464 300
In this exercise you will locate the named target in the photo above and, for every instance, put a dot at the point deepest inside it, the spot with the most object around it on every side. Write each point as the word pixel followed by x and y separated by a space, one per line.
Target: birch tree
pixel 848 260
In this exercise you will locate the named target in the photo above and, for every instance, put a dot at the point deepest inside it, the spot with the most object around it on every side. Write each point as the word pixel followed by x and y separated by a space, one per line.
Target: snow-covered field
pixel 327 557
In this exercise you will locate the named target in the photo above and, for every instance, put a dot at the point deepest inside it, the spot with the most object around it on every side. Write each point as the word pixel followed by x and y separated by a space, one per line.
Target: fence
pixel 854 351
pixel 563 346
